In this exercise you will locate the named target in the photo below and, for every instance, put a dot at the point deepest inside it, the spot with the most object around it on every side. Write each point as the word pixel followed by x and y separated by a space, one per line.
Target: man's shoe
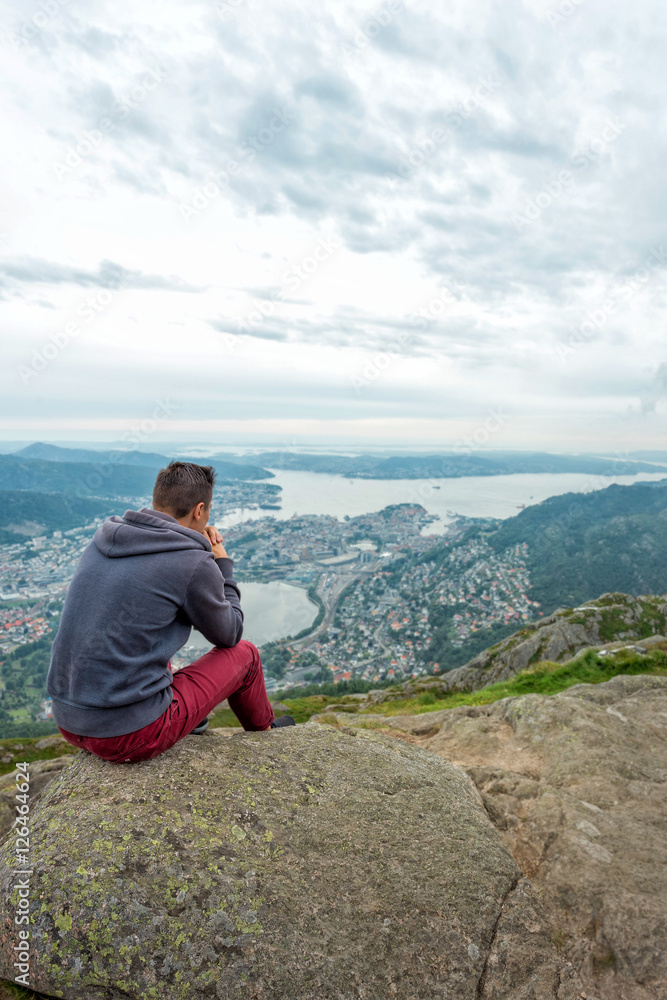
pixel 283 720
pixel 201 728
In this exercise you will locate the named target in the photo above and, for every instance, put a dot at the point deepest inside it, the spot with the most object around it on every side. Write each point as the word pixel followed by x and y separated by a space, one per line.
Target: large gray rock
pixel 576 783
pixel 305 863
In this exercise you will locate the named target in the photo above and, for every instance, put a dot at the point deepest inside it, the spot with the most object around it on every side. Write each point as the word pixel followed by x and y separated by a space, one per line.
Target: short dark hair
pixel 181 486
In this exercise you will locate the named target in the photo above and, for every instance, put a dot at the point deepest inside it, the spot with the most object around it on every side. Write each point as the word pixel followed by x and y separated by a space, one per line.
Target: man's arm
pixel 213 602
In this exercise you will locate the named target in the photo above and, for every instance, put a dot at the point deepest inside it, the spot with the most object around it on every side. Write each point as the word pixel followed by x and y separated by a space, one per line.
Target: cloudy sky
pixel 288 223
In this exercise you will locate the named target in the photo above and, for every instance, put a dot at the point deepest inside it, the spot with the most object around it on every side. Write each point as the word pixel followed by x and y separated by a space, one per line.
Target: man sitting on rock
pixel 141 584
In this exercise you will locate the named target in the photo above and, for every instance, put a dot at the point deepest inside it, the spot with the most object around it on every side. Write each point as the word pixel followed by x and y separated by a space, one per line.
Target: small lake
pixel 270 611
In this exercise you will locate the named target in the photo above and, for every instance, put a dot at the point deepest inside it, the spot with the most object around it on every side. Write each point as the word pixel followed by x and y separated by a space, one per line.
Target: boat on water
pixel 521 506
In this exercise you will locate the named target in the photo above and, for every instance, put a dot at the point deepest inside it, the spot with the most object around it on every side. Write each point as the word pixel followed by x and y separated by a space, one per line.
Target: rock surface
pixel 611 620
pixel 309 863
pixel 576 783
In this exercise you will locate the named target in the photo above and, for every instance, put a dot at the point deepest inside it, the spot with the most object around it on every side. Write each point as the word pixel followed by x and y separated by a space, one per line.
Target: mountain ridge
pixel 41 451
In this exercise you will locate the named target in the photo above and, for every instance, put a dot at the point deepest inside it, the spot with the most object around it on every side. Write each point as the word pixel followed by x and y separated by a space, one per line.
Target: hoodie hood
pixel 144 532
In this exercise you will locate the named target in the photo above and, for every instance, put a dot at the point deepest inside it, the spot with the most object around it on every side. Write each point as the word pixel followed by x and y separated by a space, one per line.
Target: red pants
pixel 234 673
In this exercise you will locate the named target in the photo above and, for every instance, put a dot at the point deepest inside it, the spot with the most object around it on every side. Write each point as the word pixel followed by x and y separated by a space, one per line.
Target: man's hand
pixel 215 538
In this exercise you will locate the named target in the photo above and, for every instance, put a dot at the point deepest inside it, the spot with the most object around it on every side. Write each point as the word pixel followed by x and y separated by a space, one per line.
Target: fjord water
pixel 473 496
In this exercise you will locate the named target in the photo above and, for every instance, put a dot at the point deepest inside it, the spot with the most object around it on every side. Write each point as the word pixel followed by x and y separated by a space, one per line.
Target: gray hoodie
pixel 141 584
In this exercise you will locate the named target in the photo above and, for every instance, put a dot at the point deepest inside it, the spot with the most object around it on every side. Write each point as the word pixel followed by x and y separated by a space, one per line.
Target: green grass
pixel 12 991
pixel 223 717
pixel 300 709
pixel 612 622
pixel 30 752
pixel 20 714
pixel 544 678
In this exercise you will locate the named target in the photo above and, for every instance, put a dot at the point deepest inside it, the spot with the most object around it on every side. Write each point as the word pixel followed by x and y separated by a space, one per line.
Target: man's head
pixel 185 491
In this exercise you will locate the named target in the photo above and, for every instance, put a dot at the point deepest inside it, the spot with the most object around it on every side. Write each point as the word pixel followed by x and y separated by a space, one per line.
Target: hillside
pixel 612 618
pixel 79 479
pixel 581 544
pixel 42 451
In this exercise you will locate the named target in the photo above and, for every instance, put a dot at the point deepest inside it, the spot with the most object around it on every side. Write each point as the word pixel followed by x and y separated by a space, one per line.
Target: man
pixel 141 584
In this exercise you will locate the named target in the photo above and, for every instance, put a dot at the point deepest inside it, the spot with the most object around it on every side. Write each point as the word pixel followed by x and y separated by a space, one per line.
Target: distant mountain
pixel 55 453
pixel 452 465
pixel 231 470
pixel 440 465
pixel 238 471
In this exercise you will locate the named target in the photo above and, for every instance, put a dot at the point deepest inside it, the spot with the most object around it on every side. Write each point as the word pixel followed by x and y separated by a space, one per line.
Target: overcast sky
pixel 395 223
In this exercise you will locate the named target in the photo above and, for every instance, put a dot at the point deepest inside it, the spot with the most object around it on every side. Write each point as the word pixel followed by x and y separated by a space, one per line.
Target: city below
pixel 374 591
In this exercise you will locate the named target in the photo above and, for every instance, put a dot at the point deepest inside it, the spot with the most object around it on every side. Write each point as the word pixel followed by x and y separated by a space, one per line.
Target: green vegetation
pixel 581 545
pixel 302 708
pixel 26 729
pixel 449 465
pixel 275 658
pixel 43 513
pixel 323 675
pixel 441 650
pixel 76 478
pixel 353 686
pixel 12 991
pixel 23 673
pixel 25 749
pixel 78 472
pixel 224 717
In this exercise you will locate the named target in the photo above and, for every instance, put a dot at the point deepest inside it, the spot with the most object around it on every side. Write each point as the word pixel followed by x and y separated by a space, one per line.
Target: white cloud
pixel 208 150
